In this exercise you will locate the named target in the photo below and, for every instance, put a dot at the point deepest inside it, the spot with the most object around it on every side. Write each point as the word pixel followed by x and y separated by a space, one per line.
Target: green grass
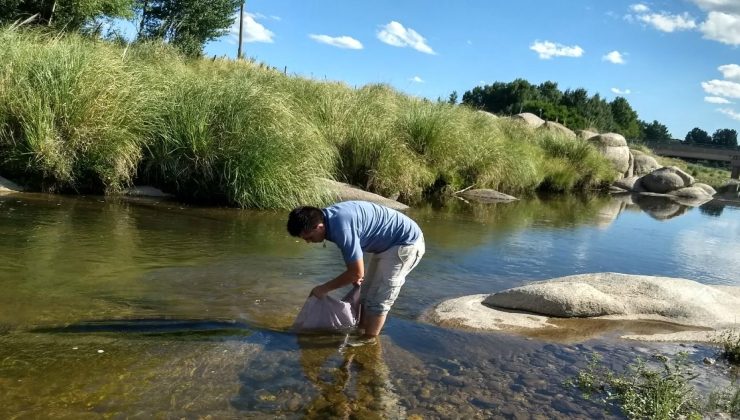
pixel 729 344
pixel 91 116
pixel 660 393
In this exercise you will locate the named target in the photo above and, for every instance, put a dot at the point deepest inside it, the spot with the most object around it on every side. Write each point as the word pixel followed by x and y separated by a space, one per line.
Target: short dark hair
pixel 304 218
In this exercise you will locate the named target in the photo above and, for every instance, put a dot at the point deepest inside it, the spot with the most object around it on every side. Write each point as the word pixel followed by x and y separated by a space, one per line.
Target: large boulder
pixel 666 179
pixel 643 163
pixel 603 297
pixel 9 186
pixel 345 192
pixel 614 147
pixel 558 128
pixel 488 114
pixel 631 184
pixel 707 188
pixel 586 134
pixel 603 294
pixel 529 119
pixel 692 192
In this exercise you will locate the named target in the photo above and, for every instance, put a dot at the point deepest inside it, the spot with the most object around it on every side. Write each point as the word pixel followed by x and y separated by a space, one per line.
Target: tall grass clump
pixel 83 114
pixel 71 112
pixel 224 136
pixel 572 163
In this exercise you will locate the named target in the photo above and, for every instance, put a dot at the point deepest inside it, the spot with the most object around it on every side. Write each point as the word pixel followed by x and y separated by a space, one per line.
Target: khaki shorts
pixel 386 273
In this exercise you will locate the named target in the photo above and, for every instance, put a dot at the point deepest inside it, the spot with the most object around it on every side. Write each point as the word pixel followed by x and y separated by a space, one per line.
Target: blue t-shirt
pixel 357 226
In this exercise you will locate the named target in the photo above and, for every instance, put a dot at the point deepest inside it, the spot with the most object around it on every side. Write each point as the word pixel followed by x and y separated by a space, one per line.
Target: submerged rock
pixel 483 195
pixel 146 191
pixel 9 186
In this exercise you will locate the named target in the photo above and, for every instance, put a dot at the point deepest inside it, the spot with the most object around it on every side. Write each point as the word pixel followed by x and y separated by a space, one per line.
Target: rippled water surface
pixel 138 309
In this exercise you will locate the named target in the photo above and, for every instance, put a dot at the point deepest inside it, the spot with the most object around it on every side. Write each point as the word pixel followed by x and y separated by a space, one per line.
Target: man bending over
pixel 394 240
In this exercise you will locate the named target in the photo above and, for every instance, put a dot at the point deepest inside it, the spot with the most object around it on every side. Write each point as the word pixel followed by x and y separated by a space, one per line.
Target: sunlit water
pixel 138 309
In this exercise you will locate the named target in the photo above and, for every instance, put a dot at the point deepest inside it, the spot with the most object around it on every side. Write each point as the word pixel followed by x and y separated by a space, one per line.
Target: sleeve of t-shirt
pixel 349 243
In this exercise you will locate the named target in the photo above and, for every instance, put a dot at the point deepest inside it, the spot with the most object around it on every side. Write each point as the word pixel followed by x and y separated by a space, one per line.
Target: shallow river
pixel 137 309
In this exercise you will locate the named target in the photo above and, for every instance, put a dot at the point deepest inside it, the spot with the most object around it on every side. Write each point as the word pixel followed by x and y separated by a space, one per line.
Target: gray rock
pixel 9 186
pixel 692 192
pixel 598 294
pixel 558 128
pixel 488 114
pixel 643 163
pixel 609 140
pixel 529 119
pixel 614 147
pixel 707 188
pixel 632 184
pixel 666 179
pixel 586 134
pixel 345 192
pixel 146 191
pixel 486 196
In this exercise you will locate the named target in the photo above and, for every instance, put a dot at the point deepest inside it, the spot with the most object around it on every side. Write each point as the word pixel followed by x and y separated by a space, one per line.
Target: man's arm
pixel 353 274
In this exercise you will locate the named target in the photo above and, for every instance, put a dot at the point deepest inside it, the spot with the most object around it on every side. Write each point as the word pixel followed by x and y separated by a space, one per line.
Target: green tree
pixel 625 118
pixel 186 24
pixel 453 98
pixel 501 98
pixel 697 136
pixel 549 92
pixel 598 114
pixel 70 15
pixel 725 137
pixel 654 131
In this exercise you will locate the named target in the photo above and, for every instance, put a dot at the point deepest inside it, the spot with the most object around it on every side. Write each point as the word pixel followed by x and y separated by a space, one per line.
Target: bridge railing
pixel 682 144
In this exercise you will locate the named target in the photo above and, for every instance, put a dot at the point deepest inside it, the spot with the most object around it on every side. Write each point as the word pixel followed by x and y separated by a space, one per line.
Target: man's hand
pixel 358 282
pixel 319 292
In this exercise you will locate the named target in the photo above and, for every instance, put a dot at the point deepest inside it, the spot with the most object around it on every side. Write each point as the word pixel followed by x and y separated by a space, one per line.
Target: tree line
pixel 578 110
pixel 186 24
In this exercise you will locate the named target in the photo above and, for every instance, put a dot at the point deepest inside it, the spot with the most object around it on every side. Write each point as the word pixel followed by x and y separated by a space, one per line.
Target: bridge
pixel 703 152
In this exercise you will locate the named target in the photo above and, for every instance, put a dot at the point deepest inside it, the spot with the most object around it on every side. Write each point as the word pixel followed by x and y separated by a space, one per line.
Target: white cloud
pixel 716 100
pixel 338 41
pixel 722 27
pixel 730 113
pixel 417 79
pixel 723 88
pixel 397 35
pixel 621 92
pixel 546 50
pixel 669 23
pixel 614 57
pixel 253 30
pixel 727 6
pixel 730 71
pixel 639 8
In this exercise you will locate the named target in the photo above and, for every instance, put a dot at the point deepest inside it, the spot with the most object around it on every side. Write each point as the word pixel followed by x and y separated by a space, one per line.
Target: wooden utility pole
pixel 241 30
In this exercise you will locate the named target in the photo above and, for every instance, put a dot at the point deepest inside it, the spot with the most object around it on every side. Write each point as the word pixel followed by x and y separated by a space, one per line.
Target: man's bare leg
pixel 373 324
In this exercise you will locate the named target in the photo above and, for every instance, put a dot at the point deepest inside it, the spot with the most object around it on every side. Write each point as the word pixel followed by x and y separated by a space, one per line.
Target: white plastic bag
pixel 329 313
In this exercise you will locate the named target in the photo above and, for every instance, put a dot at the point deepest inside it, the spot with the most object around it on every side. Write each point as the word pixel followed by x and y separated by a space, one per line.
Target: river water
pixel 141 309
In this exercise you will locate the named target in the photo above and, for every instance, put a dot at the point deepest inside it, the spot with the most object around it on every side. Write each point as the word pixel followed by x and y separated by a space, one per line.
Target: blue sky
pixel 677 61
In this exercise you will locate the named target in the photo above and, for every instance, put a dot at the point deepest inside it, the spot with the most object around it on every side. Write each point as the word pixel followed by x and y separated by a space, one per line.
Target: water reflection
pixel 318 376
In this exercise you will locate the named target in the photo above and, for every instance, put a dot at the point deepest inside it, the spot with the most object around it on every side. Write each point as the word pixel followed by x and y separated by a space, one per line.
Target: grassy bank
pixel 88 116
